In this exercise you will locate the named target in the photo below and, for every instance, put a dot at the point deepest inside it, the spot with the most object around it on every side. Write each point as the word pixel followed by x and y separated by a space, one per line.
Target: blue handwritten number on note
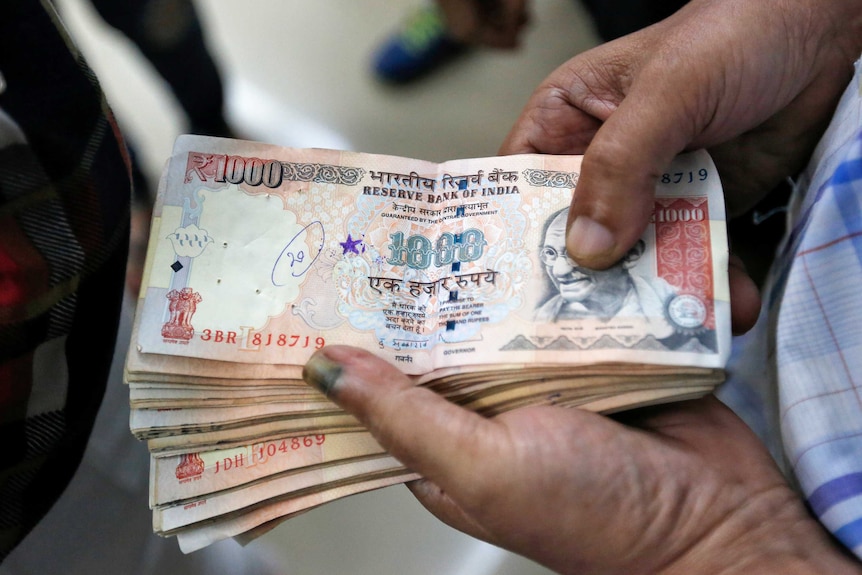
pixel 296 257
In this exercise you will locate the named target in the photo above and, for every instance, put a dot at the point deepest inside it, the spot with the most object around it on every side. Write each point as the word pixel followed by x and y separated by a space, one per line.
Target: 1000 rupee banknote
pixel 264 254
pixel 169 518
pixel 195 474
pixel 236 524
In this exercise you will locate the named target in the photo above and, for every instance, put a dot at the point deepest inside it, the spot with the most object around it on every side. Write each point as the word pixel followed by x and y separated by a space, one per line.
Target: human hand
pixel 492 23
pixel 682 488
pixel 754 82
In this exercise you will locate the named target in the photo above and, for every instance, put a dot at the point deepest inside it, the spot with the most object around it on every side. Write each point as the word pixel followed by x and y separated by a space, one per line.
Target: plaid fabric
pixel 64 211
pixel 799 371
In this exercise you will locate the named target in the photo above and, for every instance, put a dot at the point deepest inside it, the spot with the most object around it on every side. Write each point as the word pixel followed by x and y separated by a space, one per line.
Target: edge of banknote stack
pixel 259 255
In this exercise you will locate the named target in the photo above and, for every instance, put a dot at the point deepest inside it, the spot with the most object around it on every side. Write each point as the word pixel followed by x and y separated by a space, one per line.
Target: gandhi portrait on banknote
pixel 579 292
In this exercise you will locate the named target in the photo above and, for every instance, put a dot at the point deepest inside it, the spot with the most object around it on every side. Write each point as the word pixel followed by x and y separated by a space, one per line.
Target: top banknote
pixel 262 254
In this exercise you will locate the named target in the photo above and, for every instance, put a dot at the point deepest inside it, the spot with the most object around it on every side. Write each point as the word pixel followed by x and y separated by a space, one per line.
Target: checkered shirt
pixel 64 210
pixel 797 377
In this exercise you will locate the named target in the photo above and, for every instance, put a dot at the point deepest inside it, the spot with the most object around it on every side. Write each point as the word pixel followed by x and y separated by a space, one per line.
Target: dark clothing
pixel 64 224
pixel 615 18
pixel 169 35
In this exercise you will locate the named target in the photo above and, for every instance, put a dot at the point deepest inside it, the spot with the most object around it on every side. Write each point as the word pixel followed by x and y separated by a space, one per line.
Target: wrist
pixel 771 533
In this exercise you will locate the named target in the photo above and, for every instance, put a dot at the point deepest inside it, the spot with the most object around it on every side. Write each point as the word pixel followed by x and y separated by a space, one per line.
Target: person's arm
pixel 684 488
pixel 754 82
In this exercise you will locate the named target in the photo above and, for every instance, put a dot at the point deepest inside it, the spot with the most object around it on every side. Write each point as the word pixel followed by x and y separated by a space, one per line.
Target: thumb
pixel 430 435
pixel 614 197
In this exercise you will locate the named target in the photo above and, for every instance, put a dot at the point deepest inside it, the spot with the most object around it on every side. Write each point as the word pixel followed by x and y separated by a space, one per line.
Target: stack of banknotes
pixel 457 273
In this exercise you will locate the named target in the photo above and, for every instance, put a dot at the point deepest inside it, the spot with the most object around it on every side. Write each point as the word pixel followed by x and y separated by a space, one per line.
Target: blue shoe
pixel 420 47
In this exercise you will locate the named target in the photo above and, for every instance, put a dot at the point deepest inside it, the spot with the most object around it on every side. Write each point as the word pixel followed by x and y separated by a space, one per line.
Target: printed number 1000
pixel 418 251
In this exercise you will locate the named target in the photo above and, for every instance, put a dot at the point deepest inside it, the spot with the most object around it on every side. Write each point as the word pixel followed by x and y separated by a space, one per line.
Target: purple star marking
pixel 349 245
